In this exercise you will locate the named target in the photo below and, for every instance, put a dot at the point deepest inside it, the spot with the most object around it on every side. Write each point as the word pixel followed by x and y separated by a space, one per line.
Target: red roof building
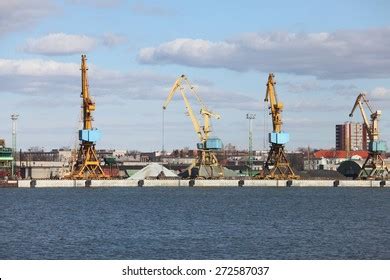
pixel 339 154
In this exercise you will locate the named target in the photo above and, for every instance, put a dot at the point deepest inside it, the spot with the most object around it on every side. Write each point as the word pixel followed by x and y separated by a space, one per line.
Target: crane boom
pixel 194 120
pixel 202 131
pixel 275 106
pixel 372 129
pixel 359 103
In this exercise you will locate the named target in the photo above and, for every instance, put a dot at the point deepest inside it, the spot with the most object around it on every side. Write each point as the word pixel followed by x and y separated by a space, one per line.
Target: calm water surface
pixel 195 223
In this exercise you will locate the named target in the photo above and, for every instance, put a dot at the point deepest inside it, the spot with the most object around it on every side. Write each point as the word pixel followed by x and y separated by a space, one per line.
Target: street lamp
pixel 250 117
pixel 14 118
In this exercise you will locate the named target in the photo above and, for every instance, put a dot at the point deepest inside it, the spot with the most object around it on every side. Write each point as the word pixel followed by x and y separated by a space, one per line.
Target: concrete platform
pixel 199 183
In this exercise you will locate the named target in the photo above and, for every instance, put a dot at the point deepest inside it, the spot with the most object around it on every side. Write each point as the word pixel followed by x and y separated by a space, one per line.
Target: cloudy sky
pixel 323 54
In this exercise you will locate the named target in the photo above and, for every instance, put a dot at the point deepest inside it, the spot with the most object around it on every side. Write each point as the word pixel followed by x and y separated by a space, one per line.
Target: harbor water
pixel 195 223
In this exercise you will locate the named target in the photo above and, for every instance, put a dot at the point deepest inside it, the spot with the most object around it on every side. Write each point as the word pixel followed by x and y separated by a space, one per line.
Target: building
pixel 6 159
pixel 331 159
pixel 351 137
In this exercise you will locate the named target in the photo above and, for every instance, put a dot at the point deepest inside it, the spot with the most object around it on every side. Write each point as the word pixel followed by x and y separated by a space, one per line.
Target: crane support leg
pixel 88 164
pixel 374 168
pixel 277 165
pixel 205 166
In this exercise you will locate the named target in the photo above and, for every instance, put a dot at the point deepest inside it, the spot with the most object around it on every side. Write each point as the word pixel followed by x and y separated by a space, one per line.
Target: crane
pixel 87 164
pixel 374 166
pixel 206 164
pixel 277 165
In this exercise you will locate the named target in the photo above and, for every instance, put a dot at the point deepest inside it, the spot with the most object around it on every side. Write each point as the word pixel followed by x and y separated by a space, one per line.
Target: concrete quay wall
pixel 199 183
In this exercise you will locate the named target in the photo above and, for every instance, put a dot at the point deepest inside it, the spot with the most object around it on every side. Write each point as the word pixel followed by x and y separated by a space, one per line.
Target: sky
pixel 323 54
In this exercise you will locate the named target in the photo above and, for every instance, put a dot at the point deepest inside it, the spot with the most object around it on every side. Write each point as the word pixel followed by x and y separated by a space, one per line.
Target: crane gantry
pixel 87 164
pixel 277 165
pixel 374 166
pixel 206 164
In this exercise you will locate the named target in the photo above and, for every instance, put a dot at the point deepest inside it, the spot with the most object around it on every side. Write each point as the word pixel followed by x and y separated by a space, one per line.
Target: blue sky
pixel 322 53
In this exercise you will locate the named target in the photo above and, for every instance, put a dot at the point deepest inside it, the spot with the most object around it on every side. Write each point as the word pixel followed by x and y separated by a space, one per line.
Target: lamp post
pixel 14 118
pixel 250 117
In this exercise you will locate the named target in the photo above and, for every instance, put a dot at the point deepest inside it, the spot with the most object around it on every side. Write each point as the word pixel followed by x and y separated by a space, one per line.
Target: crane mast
pixel 275 107
pixel 277 165
pixel 374 166
pixel 206 164
pixel 88 104
pixel 87 164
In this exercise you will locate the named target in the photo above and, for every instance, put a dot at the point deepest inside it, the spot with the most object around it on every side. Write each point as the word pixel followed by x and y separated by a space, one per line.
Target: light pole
pixel 250 117
pixel 14 118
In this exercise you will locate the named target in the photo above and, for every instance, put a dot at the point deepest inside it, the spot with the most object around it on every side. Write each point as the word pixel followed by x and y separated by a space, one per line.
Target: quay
pixel 199 183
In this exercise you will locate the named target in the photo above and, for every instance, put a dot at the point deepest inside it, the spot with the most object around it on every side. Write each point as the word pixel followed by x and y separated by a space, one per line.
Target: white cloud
pixel 112 39
pixel 342 54
pixel 22 14
pixel 60 44
pixel 36 67
pixel 38 77
pixel 200 53
pixel 41 77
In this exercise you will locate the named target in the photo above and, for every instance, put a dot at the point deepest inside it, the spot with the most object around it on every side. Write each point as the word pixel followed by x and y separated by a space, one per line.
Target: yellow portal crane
pixel 206 164
pixel 374 166
pixel 277 165
pixel 87 165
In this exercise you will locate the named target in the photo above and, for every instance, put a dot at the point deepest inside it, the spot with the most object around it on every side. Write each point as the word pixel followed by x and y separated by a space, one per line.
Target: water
pixel 195 223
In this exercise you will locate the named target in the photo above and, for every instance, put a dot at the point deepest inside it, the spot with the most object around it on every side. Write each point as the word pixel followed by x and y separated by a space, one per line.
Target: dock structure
pixel 185 183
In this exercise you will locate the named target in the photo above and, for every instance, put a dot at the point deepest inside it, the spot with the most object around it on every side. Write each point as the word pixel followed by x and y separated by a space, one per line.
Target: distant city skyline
pixel 322 57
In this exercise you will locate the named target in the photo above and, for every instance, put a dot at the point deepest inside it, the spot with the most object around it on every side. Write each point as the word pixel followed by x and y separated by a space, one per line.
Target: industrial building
pixel 6 159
